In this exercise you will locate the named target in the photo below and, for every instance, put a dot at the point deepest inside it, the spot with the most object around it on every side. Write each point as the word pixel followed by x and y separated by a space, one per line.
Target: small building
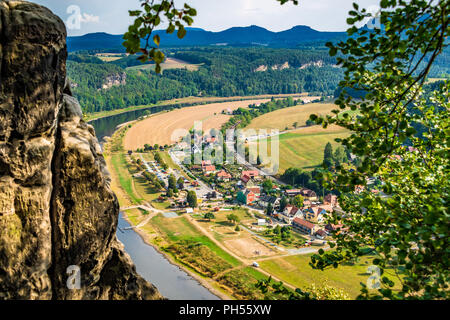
pixel 303 226
pixel 255 190
pixel 209 169
pixel 305 193
pixel 307 203
pixel 251 173
pixel 205 163
pixel 293 192
pixel 261 222
pixel 245 179
pixel 317 213
pixel 246 197
pixel 290 213
pixel 332 227
pixel 331 200
pixel 266 200
pixel 308 194
pixel 223 176
pixel 189 210
pixel 321 234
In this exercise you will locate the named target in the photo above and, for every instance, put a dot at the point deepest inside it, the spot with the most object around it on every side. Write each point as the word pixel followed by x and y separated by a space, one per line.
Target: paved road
pixel 204 188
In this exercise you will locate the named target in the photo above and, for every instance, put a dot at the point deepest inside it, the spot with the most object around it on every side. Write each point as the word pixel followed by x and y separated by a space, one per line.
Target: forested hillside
pixel 223 72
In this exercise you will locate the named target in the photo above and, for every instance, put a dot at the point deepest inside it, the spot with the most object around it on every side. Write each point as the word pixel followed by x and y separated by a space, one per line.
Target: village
pixel 225 219
pixel 225 186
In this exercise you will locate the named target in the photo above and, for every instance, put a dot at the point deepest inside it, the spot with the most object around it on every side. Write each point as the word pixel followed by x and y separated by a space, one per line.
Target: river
pixel 171 281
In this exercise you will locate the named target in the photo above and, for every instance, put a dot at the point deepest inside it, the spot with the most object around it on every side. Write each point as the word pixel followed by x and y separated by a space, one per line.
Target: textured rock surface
pixel 56 206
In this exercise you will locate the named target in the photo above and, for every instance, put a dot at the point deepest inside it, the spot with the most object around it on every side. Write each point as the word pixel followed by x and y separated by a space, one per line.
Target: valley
pixel 212 250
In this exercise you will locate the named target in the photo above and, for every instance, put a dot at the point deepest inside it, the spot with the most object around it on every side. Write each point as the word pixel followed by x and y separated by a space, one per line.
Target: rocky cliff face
pixel 56 207
pixel 114 80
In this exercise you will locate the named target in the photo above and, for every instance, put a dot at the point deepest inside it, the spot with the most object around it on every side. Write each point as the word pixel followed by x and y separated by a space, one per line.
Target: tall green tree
pixel 283 203
pixel 298 201
pixel 267 186
pixel 192 199
pixel 209 216
pixel 172 181
pixel 328 155
pixel 339 156
pixel 269 209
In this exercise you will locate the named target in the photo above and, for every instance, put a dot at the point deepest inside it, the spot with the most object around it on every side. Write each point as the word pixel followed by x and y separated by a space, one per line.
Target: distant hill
pixel 236 36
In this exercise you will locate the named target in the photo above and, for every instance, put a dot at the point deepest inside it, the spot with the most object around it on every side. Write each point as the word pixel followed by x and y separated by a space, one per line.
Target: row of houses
pixel 306 220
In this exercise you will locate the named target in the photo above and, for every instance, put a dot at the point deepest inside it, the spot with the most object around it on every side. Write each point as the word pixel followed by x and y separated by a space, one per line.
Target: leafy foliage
pixel 149 18
pixel 192 199
pixel 407 226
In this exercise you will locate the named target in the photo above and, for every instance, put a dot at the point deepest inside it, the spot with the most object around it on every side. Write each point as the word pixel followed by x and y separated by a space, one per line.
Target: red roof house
pixel 303 226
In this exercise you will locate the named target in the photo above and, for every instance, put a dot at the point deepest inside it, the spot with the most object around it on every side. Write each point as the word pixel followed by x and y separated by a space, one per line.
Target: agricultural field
pixel 169 63
pixel 199 100
pixel 285 118
pixel 304 147
pixel 297 271
pixel 159 129
pixel 109 57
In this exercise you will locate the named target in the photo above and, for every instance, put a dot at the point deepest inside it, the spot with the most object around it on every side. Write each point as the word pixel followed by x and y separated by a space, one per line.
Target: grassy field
pixel 120 167
pixel 286 117
pixel 108 57
pixel 181 229
pixel 168 159
pixel 297 271
pixel 169 63
pixel 303 148
pixel 197 252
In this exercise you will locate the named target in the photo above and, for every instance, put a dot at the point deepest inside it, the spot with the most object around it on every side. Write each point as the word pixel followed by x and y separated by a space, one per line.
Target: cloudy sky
pixel 215 15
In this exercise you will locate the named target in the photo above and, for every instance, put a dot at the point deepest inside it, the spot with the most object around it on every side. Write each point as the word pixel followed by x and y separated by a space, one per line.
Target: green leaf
pixel 181 32
pixel 156 40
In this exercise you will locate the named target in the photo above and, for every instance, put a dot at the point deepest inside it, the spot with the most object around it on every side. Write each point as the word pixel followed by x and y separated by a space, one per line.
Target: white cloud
pixel 89 18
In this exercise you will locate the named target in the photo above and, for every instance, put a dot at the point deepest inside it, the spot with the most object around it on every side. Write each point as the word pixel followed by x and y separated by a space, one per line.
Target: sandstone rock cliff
pixel 114 80
pixel 56 206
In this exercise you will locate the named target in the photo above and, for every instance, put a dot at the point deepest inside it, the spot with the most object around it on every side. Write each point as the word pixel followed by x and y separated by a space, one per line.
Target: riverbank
pixel 202 281
pixel 126 199
pixel 198 100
